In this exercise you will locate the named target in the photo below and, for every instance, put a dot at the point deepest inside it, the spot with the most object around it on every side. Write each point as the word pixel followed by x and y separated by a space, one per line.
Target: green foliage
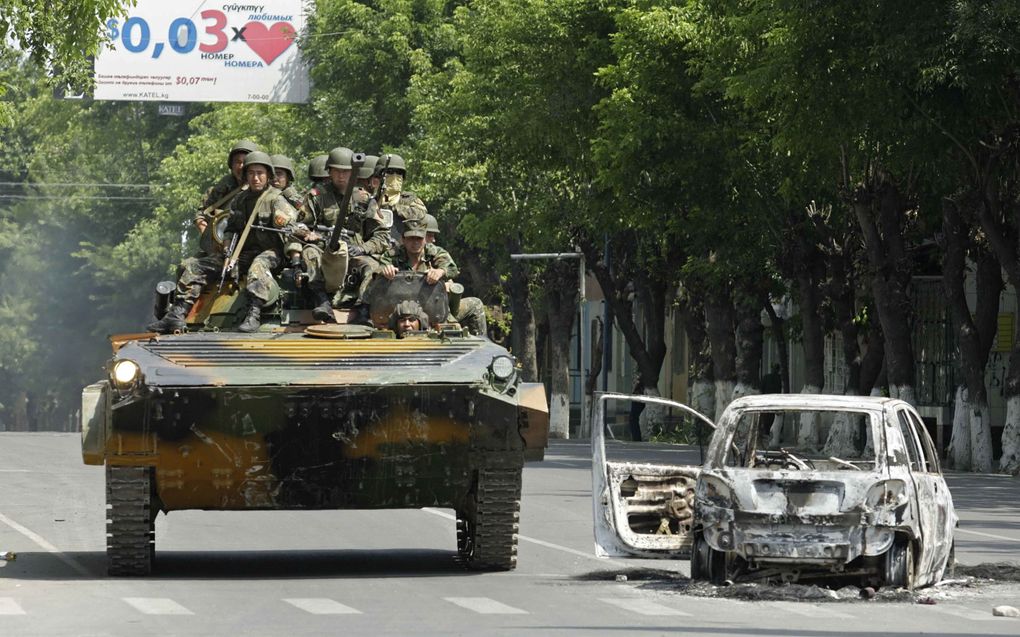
pixel 61 40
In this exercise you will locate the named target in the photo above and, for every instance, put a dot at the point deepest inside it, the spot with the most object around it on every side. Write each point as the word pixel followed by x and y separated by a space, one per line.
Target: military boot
pixel 253 320
pixel 323 310
pixel 175 319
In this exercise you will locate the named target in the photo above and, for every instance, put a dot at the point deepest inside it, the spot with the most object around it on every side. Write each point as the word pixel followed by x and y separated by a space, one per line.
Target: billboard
pixel 201 51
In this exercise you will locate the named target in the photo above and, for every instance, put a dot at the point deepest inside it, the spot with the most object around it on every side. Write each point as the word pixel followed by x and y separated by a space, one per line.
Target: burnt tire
pixel 487 530
pixel 130 528
pixel 707 564
pixel 899 564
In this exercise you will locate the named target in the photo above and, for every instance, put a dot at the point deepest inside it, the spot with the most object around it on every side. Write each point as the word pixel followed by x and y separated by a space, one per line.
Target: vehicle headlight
pixel 887 493
pixel 125 372
pixel 502 367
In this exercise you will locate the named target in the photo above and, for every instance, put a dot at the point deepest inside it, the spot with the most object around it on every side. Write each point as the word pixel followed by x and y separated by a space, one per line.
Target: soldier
pixel 366 174
pixel 401 205
pixel 469 311
pixel 366 236
pixel 415 255
pixel 284 180
pixel 408 316
pixel 317 173
pixel 231 183
pixel 261 254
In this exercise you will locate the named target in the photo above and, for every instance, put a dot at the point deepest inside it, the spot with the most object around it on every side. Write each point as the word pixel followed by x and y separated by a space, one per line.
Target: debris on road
pixel 8 556
pixel 1006 611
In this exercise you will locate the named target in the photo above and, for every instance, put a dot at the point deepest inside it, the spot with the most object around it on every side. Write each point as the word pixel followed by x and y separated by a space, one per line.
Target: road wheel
pixel 706 562
pixel 487 530
pixel 899 564
pixel 130 528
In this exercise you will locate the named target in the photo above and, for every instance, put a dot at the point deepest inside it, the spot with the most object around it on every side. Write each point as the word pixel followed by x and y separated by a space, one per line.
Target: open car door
pixel 641 509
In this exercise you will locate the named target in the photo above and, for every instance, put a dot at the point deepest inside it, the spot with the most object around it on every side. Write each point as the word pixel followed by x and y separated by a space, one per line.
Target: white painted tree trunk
pixel 723 397
pixel 808 435
pixel 844 439
pixel 740 390
pixel 980 437
pixel 703 398
pixel 903 392
pixel 559 415
pixel 652 416
pixel 1010 461
pixel 959 441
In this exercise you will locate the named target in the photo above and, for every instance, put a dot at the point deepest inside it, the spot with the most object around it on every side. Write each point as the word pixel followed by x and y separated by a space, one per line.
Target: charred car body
pixel 302 415
pixel 792 487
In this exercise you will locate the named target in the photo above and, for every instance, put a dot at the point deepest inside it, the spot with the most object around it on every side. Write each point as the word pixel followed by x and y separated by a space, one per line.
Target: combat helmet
pixel 317 167
pixel 431 225
pixel 259 157
pixel 391 161
pixel 340 158
pixel 243 146
pixel 368 168
pixel 409 308
pixel 282 161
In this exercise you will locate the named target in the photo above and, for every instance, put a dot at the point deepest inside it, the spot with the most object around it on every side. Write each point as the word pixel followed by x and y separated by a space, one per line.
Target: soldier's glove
pixel 355 251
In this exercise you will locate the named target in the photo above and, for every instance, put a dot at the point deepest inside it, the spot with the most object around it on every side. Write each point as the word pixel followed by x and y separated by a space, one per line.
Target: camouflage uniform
pixel 407 206
pixel 434 257
pixel 470 311
pixel 262 254
pixel 293 197
pixel 366 235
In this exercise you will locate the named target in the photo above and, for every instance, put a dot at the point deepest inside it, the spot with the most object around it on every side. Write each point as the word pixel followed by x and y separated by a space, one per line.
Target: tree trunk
pixel 702 397
pixel 561 309
pixel 749 345
pixel 1010 461
pixel 522 325
pixel 880 210
pixel 719 318
pixel 778 329
pixel 974 339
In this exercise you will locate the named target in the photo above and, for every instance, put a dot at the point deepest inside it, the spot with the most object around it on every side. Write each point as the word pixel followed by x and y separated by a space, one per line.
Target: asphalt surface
pixel 395 572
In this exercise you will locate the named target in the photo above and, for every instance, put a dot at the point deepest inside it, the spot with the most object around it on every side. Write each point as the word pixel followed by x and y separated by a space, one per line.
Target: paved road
pixel 394 572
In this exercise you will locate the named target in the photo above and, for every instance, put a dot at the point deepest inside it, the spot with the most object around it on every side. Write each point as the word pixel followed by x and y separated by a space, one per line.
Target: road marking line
pixel 644 607
pixel 157 606
pixel 15 471
pixel 525 538
pixel 485 606
pixel 811 610
pixel 991 535
pixel 46 546
pixel 966 613
pixel 10 607
pixel 322 606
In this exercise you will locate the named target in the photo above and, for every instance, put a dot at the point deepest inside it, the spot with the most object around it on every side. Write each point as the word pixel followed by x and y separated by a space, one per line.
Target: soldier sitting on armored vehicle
pixel 415 255
pixel 257 252
pixel 365 237
pixel 398 205
pixel 218 197
pixel 469 311
pixel 317 174
pixel 408 316
pixel 284 180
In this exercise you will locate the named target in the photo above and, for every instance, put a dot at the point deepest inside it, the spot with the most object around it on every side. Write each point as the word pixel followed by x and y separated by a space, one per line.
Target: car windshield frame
pixel 722 443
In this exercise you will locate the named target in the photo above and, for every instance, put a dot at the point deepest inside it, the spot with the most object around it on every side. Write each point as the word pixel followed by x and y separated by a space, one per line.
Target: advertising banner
pixel 196 51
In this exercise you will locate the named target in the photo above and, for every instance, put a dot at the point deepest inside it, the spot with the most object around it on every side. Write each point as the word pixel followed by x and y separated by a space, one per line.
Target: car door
pixel 628 495
pixel 934 506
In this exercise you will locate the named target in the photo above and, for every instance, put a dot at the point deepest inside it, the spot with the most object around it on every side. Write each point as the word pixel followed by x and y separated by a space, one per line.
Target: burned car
pixel 792 487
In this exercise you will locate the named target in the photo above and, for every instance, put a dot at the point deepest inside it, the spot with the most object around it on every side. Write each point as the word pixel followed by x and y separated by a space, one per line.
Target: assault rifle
pixel 357 161
pixel 382 182
pixel 226 263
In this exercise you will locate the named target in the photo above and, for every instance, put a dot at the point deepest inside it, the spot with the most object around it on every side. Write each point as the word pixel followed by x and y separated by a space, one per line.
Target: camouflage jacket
pixel 407 206
pixel 219 191
pixel 434 257
pixel 322 206
pixel 272 210
pixel 293 197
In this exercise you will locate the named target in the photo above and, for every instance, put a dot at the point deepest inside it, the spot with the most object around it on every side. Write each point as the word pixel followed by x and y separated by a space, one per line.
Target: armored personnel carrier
pixel 305 415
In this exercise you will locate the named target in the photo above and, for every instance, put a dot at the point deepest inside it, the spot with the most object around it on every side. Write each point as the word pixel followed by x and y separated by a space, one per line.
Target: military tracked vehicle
pixel 305 415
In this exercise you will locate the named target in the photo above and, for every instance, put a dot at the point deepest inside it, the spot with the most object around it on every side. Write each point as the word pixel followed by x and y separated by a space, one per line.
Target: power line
pixel 115 198
pixel 66 184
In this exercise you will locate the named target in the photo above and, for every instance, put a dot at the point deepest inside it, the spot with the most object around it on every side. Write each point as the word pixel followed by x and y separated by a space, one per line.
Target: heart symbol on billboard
pixel 269 42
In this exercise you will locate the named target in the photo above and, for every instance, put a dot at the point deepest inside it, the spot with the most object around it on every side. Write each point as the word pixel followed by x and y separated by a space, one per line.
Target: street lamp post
pixel 577 254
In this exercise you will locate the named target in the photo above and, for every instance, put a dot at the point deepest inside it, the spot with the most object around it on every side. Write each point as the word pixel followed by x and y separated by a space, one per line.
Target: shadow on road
pixel 228 565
